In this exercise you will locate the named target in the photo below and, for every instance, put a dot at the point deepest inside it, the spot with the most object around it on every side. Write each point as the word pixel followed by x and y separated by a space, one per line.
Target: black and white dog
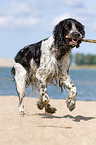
pixel 46 61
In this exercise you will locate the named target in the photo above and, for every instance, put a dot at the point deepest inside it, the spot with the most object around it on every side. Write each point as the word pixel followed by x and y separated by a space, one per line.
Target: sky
pixel 23 22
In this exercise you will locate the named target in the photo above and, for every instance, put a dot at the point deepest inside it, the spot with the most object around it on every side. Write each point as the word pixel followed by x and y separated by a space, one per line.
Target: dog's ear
pixel 82 31
pixel 60 31
pixel 80 28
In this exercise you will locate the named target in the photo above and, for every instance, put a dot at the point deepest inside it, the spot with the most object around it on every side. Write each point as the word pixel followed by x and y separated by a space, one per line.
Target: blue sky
pixel 24 22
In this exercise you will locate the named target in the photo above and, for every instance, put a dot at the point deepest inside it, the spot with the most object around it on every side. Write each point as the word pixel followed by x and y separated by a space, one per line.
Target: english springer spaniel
pixel 48 61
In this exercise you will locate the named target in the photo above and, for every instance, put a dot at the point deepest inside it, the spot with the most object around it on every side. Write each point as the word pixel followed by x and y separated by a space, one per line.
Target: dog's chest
pixel 65 62
pixel 48 63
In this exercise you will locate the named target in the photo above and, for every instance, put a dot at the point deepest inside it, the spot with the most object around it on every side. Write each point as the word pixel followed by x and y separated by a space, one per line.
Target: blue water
pixel 84 80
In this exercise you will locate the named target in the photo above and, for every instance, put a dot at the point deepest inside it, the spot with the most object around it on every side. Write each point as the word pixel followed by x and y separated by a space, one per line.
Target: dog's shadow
pixel 77 118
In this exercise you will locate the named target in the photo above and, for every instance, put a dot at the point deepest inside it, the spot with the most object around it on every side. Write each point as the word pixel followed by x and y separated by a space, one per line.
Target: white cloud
pixel 11 21
pixel 19 8
pixel 20 15
pixel 74 2
pixel 26 21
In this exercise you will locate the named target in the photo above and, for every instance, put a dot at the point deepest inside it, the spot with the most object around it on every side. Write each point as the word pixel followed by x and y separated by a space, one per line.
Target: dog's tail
pixel 13 71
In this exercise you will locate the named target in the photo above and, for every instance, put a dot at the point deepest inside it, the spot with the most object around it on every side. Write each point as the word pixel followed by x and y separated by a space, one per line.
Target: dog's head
pixel 68 27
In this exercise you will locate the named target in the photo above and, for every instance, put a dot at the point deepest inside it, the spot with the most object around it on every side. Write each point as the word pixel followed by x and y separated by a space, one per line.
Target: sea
pixel 84 80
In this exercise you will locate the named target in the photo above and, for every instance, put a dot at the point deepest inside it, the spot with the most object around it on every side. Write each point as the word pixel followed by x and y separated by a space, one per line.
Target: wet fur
pixel 46 61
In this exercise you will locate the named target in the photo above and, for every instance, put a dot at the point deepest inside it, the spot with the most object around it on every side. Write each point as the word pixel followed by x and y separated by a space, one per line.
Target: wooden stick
pixel 88 40
pixel 84 40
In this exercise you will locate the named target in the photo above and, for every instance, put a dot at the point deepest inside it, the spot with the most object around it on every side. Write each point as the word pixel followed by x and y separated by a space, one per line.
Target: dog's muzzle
pixel 75 38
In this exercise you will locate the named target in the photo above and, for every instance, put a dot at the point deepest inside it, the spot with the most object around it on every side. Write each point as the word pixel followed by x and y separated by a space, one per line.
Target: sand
pixel 37 128
pixel 6 62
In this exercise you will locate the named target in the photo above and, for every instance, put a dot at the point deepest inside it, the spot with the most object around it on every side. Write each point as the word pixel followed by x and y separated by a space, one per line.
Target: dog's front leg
pixel 44 97
pixel 71 99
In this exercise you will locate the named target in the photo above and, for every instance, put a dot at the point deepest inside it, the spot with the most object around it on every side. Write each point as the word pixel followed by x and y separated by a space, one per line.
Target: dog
pixel 48 61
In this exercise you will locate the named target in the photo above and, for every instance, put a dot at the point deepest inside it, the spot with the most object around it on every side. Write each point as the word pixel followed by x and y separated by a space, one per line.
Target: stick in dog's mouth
pixel 84 40
pixel 72 41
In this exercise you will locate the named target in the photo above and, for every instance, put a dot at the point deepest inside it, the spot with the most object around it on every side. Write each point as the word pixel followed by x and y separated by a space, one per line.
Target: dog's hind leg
pixel 71 99
pixel 20 78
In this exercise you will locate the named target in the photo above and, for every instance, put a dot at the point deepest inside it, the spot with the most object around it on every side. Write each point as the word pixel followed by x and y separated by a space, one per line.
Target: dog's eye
pixel 68 27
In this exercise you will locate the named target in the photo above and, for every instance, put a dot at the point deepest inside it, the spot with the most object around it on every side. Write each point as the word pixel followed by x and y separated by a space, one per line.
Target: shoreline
pixel 35 127
pixel 83 67
pixel 7 62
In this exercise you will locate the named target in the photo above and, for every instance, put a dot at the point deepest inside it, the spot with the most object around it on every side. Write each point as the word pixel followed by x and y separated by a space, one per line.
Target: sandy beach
pixel 6 62
pixel 37 128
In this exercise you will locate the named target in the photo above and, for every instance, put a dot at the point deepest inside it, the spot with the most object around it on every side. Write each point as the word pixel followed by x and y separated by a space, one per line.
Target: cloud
pixel 25 21
pixel 22 22
pixel 20 15
pixel 74 2
pixel 19 8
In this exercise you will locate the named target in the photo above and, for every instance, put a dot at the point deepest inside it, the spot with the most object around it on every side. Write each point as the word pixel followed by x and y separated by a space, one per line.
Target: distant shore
pixel 83 67
pixel 7 62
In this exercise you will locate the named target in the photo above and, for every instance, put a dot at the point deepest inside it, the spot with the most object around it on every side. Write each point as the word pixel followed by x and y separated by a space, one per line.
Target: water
pixel 84 80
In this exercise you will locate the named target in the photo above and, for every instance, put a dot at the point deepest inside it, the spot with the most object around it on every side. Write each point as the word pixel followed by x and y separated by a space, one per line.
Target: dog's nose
pixel 76 34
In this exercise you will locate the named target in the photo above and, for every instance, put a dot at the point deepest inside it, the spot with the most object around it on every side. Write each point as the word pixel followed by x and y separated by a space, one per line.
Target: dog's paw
pixel 50 109
pixel 21 111
pixel 41 105
pixel 70 104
